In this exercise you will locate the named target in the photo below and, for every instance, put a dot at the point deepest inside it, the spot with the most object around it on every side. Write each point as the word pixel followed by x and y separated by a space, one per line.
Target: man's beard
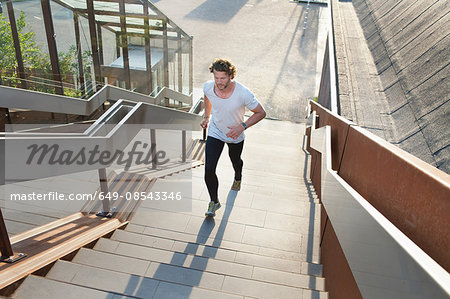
pixel 223 86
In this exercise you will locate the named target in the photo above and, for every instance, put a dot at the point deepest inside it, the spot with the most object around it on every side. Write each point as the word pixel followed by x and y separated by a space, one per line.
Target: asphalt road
pixel 277 45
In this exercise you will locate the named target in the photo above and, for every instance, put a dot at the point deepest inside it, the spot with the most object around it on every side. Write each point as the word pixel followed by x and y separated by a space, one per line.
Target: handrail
pixel 39 101
pixel 373 246
pixel 328 96
pixel 332 62
pixel 109 132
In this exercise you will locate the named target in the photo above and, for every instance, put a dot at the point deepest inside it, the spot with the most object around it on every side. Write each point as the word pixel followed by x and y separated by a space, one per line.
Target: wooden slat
pixel 49 246
pixel 43 228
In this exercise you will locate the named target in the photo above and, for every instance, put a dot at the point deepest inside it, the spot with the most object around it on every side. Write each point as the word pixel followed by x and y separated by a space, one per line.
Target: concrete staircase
pixel 263 243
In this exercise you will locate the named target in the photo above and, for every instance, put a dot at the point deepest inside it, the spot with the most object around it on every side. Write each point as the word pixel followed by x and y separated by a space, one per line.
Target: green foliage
pixel 27 44
pixel 36 62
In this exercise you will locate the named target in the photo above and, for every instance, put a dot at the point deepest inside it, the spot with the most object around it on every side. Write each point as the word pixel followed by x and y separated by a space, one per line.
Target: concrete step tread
pixel 241 267
pixel 192 270
pixel 230 255
pixel 190 277
pixel 26 217
pixel 127 284
pixel 229 217
pixel 248 205
pixel 307 254
pixel 40 287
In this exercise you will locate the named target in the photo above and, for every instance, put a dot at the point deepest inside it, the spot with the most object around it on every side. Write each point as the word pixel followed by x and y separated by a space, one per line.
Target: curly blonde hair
pixel 223 65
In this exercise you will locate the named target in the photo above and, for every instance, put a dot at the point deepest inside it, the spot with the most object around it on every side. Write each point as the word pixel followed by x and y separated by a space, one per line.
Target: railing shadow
pixel 312 207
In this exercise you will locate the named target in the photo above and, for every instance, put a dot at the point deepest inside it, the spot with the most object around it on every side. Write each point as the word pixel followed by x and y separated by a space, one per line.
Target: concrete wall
pixel 410 41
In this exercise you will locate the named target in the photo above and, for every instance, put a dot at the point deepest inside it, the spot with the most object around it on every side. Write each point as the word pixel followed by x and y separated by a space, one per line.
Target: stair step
pixel 212 265
pixel 276 186
pixel 230 255
pixel 26 217
pixel 174 258
pixel 190 277
pixel 305 244
pixel 210 241
pixel 221 228
pixel 40 287
pixel 31 207
pixel 252 210
pixel 15 228
pixel 126 284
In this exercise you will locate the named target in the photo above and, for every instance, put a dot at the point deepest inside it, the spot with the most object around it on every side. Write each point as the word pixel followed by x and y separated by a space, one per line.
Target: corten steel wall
pixel 339 280
pixel 412 194
pixel 409 192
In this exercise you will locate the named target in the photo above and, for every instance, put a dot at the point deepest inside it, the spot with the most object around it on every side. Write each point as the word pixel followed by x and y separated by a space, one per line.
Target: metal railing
pixel 111 131
pixel 328 96
pixel 40 101
pixel 382 255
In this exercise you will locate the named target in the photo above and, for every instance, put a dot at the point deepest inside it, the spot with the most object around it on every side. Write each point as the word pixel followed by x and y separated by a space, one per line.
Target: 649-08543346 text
pixel 58 196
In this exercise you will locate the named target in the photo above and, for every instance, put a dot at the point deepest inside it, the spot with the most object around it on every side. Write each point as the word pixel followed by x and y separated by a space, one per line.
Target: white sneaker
pixel 212 208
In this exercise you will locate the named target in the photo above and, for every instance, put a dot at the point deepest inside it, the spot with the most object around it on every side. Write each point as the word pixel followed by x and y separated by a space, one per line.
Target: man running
pixel 225 103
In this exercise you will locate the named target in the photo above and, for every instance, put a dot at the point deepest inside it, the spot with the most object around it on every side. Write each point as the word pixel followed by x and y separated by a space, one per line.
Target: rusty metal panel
pixel 339 131
pixel 412 194
pixel 323 222
pixel 339 280
pixel 315 171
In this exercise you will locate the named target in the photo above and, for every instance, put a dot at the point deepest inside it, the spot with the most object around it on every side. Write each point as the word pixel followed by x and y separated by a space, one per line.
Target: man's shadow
pixel 201 257
pixel 209 223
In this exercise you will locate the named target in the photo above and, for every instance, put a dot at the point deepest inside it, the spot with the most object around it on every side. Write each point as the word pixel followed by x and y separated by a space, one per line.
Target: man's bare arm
pixel 207 115
pixel 258 114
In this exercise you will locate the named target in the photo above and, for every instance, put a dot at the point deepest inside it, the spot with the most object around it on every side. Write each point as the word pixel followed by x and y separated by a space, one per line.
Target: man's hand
pixel 204 123
pixel 235 131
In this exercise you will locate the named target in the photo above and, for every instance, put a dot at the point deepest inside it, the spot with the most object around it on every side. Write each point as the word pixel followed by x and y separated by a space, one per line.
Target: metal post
pixel 118 45
pixel 51 42
pixel 94 45
pixel 104 189
pixel 180 63
pixel 100 43
pixel 8 115
pixel 191 65
pixel 153 148
pixel 79 50
pixel 7 253
pixel 148 57
pixel 165 59
pixel 183 146
pixel 123 31
pixel 15 36
pixel 5 244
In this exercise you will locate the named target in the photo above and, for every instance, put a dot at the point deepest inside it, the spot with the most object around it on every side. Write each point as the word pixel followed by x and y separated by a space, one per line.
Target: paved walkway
pixel 278 55
pixel 263 243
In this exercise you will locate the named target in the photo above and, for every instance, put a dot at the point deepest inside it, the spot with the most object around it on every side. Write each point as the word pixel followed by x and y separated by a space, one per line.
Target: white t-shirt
pixel 228 112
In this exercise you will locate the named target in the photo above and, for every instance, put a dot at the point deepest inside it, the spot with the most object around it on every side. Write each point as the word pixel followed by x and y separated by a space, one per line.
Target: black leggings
pixel 214 149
